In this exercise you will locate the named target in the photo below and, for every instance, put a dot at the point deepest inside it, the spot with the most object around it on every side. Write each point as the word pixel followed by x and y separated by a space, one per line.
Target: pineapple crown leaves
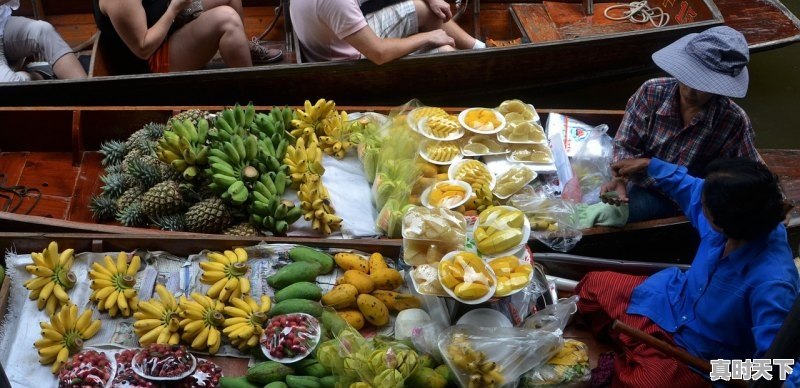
pixel 170 222
pixel 153 131
pixel 114 185
pixel 103 208
pixel 145 174
pixel 113 151
pixel 133 215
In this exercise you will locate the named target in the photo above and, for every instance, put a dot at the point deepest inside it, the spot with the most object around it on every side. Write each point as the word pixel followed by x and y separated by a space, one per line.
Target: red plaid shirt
pixel 653 127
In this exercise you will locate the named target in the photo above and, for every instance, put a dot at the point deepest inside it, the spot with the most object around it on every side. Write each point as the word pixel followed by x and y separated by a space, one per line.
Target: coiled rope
pixel 639 12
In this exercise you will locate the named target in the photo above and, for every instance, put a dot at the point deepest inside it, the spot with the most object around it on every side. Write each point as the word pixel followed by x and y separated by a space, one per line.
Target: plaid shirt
pixel 653 128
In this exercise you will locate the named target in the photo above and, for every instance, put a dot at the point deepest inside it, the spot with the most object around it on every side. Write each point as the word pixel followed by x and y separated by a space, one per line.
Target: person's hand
pixel 179 5
pixel 441 9
pixel 614 192
pixel 439 38
pixel 630 167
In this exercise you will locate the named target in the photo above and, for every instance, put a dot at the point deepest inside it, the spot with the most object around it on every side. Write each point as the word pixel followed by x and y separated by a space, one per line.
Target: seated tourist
pixel 379 30
pixel 179 35
pixel 734 298
pixel 688 120
pixel 22 37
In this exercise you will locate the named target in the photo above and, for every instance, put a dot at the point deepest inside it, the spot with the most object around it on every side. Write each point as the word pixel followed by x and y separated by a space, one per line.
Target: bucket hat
pixel 713 61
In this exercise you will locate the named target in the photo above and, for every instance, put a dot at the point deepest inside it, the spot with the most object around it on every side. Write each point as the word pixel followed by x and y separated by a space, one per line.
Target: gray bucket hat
pixel 713 61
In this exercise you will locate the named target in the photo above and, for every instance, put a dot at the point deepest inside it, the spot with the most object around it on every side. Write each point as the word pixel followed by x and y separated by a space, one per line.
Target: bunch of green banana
pixel 274 126
pixel 184 148
pixel 335 140
pixel 315 202
pixel 309 119
pixel 232 165
pixel 64 335
pixel 232 121
pixel 52 277
pixel 304 160
pixel 267 209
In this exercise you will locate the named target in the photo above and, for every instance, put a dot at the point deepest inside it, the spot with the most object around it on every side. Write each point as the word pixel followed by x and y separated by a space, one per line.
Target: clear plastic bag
pixel 554 317
pixel 568 368
pixel 592 163
pixel 491 357
pixel 554 221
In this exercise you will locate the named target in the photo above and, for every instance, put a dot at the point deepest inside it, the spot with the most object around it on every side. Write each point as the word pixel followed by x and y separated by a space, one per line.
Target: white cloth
pixel 5 13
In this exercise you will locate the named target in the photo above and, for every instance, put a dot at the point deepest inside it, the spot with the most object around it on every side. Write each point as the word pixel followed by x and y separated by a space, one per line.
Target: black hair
pixel 743 198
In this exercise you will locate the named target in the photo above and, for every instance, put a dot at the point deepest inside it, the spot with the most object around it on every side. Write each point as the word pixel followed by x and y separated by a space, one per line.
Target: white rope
pixel 639 12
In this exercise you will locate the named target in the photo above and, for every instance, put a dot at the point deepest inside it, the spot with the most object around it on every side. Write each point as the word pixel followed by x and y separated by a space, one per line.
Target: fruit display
pixel 429 234
pixel 335 140
pixel 308 121
pixel 113 284
pixel 466 277
pixel 448 194
pixel 184 147
pixel 524 132
pixel 305 167
pixel 440 152
pixel 424 112
pixel 482 145
pixel 226 273
pixel 206 375
pixel 482 120
pixel 125 376
pixel 482 372
pixel 52 277
pixel 157 321
pixel 499 229
pixel 516 110
pixel 513 180
pixel 473 172
pixel 201 321
pixel 512 274
pixel 163 362
pixel 64 334
pixel 246 317
pixel 440 128
pixel 531 153
pixel 87 369
pixel 290 337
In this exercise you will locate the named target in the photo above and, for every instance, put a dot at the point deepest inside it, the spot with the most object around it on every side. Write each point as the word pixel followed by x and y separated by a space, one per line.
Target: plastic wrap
pixel 429 234
pixel 592 163
pixel 568 368
pixel 553 317
pixel 554 221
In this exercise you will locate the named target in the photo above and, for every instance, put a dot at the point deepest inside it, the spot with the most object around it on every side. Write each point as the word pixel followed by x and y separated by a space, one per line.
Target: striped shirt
pixel 653 128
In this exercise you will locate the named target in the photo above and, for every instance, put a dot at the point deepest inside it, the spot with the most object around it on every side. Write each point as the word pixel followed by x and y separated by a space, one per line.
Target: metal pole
pixel 38 10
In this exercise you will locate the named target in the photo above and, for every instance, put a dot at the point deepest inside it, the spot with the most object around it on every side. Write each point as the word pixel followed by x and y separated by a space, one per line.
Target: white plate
pixel 499 178
pixel 502 138
pixel 530 275
pixel 451 172
pixel 526 234
pixel 412 119
pixel 510 158
pixel 492 288
pixel 454 136
pixel 426 194
pixel 137 368
pixel 463 116
pixel 423 152
pixel 484 317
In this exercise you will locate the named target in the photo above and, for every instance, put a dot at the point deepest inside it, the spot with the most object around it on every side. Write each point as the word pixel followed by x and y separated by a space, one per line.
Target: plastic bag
pixel 569 368
pixel 554 221
pixel 592 163
pixel 554 317
pixel 491 357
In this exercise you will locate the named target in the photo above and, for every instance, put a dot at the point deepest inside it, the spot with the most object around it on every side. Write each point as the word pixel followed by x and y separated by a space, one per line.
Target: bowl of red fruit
pixel 88 368
pixel 290 337
pixel 162 362
pixel 206 375
pixel 126 377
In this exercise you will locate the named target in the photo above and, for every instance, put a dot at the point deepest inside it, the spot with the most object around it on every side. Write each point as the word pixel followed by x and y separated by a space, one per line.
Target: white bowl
pixel 484 317
pixel 492 288
pixel 526 234
pixel 423 152
pixel 313 322
pixel 530 275
pixel 425 197
pixel 451 172
pixel 454 136
pixel 463 116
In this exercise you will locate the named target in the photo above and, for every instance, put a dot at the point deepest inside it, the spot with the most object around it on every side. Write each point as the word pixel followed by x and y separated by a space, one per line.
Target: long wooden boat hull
pixel 62 163
pixel 543 61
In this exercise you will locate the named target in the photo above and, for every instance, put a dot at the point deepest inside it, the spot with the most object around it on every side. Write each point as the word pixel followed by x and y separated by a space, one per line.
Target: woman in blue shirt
pixel 730 303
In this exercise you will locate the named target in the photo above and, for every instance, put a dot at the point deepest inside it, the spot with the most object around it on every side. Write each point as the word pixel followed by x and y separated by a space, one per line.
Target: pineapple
pixel 208 216
pixel 244 229
pixel 193 115
pixel 132 155
pixel 145 171
pixel 145 138
pixel 162 199
pixel 172 222
pixel 113 151
pixel 128 197
pixel 132 215
pixel 103 208
pixel 115 184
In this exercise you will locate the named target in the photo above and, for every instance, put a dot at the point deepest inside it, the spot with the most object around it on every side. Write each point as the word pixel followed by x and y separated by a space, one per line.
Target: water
pixel 772 100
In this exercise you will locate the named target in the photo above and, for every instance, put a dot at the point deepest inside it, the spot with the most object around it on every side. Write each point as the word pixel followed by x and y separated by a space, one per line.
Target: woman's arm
pixel 130 22
pixel 380 50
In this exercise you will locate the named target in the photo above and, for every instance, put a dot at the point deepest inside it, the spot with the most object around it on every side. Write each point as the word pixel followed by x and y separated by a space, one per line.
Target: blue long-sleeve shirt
pixel 722 307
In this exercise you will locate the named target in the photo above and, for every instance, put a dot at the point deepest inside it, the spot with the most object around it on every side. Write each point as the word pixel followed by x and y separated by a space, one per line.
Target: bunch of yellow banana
pixel 316 204
pixel 246 317
pixel 335 140
pixel 304 158
pixel 482 372
pixel 308 120
pixel 113 284
pixel 158 321
pixel 202 318
pixel 64 335
pixel 51 277
pixel 226 273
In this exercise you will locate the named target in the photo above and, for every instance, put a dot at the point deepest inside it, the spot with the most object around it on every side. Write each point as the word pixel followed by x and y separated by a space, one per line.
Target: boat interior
pixel 500 23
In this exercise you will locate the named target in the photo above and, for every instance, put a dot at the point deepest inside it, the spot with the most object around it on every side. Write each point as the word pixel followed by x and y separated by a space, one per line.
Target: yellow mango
pixel 353 317
pixel 518 282
pixel 341 296
pixel 525 268
pixel 387 279
pixel 376 262
pixel 348 261
pixel 518 275
pixel 396 301
pixel 375 312
pixel 503 289
pixel 362 281
pixel 510 261
pixel 471 291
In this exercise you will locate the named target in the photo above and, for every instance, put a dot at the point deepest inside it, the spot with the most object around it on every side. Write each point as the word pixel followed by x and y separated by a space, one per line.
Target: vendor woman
pixel 734 298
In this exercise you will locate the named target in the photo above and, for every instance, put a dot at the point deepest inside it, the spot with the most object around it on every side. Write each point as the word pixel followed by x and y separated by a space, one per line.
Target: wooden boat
pixel 62 162
pixel 560 44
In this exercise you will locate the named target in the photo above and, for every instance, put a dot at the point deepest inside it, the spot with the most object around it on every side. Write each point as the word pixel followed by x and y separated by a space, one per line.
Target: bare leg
pixel 219 28
pixel 68 67
pixel 463 40
pixel 235 4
